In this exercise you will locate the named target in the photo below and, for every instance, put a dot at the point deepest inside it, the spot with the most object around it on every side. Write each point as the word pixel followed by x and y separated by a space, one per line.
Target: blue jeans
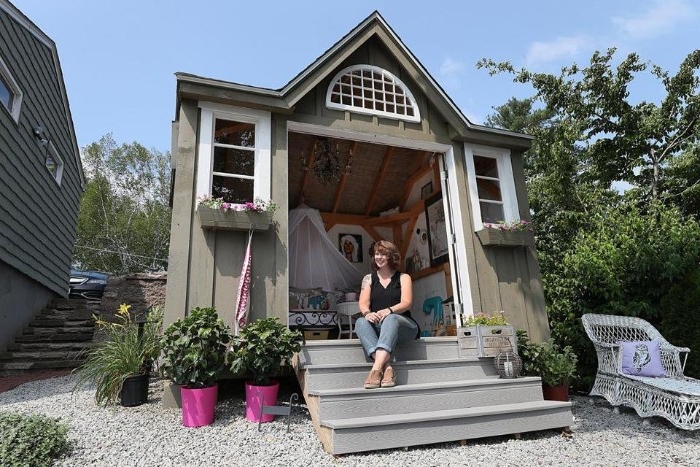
pixel 394 329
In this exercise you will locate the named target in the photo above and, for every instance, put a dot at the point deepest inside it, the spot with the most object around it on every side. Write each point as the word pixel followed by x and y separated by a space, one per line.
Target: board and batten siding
pixel 37 216
pixel 204 264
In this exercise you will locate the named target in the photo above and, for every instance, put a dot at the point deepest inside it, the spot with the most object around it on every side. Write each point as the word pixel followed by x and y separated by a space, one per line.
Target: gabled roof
pixel 284 99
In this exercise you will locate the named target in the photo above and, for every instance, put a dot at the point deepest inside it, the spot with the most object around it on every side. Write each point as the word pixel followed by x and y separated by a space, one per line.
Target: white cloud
pixel 561 48
pixel 659 19
pixel 450 68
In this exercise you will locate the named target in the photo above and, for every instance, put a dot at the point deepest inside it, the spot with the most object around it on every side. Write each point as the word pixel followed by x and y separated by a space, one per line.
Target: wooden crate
pixel 485 341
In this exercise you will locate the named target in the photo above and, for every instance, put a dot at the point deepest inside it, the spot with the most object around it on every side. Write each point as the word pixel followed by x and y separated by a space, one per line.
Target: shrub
pixel 194 348
pixel 31 440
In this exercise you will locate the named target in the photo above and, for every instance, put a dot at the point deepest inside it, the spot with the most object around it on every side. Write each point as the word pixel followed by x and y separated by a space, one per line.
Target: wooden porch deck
pixel 439 397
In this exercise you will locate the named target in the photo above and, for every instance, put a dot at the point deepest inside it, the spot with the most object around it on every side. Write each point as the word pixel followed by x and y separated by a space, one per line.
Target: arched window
pixel 371 90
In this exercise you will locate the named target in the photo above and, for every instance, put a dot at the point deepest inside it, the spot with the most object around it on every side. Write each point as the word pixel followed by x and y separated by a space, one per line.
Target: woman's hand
pixel 377 316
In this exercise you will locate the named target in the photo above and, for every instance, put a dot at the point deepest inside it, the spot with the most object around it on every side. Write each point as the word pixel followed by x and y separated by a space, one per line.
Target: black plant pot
pixel 134 390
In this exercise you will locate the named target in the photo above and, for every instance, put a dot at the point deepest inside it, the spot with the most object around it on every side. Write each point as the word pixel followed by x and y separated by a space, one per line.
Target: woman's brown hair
pixel 387 248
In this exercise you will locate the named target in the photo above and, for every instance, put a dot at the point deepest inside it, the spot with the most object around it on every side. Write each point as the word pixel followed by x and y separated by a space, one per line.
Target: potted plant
pixel 194 356
pixel 259 350
pixel 556 365
pixel 119 363
pixel 484 335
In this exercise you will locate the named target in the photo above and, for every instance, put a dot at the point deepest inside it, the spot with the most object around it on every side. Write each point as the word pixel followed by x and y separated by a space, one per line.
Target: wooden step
pixel 352 375
pixel 349 435
pixel 336 404
pixel 350 351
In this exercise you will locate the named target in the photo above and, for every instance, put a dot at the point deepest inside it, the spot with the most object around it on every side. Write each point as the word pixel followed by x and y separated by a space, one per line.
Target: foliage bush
pixel 626 262
pixel 123 351
pixel 194 348
pixel 554 364
pixel 260 348
pixel 31 440
pixel 681 308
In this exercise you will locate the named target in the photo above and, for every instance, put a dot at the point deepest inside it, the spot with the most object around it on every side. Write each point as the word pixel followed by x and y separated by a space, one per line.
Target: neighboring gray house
pixel 41 177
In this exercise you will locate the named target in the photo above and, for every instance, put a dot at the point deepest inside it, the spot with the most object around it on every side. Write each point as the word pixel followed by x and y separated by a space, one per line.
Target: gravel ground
pixel 151 435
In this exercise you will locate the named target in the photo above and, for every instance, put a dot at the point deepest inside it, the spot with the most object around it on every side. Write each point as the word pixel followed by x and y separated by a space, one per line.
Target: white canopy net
pixel 314 261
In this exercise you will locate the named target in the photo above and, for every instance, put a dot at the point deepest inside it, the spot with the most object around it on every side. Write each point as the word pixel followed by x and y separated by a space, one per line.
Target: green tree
pixel 600 250
pixel 622 141
pixel 124 219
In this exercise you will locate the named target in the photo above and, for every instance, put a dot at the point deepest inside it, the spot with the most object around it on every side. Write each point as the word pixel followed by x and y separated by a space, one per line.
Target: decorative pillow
pixel 641 358
pixel 308 299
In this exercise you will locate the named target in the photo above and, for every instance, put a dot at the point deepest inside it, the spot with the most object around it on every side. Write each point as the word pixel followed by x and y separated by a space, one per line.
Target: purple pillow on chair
pixel 641 358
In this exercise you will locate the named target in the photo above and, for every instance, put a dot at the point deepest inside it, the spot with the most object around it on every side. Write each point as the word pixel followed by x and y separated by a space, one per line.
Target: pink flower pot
pixel 256 397
pixel 198 405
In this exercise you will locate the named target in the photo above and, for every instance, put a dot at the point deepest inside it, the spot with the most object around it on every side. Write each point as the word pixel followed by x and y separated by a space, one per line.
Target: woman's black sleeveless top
pixel 379 297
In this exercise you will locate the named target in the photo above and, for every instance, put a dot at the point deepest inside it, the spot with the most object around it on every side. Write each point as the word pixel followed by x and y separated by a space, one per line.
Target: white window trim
pixel 381 113
pixel 505 175
pixel 14 87
pixel 263 146
pixel 51 150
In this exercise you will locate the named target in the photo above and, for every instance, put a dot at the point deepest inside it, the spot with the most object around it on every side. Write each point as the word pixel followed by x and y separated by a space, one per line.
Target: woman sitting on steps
pixel 385 300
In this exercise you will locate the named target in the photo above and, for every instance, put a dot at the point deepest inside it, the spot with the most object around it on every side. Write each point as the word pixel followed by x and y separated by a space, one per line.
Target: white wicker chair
pixel 675 397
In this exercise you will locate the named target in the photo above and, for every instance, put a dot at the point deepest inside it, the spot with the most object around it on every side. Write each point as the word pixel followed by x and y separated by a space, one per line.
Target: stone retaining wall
pixel 141 291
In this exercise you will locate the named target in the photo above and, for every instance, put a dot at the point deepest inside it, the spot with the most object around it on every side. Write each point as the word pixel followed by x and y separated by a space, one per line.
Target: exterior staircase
pixel 55 339
pixel 439 397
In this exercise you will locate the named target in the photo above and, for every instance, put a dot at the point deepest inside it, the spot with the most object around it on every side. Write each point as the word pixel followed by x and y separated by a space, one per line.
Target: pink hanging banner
pixel 243 299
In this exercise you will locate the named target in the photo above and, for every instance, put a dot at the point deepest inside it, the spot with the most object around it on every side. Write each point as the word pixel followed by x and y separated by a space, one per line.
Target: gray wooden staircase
pixel 439 397
pixel 55 339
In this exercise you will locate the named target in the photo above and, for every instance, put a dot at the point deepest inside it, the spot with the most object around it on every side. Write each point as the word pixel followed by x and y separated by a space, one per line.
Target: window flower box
pixel 218 219
pixel 505 238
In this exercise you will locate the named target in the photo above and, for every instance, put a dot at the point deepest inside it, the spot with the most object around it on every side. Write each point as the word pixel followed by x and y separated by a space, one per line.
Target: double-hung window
pixel 491 185
pixel 234 154
pixel 10 93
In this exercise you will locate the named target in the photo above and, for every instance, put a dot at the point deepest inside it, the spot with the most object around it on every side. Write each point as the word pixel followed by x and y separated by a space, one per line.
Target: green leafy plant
pixel 554 364
pixel 496 319
pixel 194 348
pixel 31 440
pixel 514 226
pixel 260 347
pixel 259 205
pixel 121 350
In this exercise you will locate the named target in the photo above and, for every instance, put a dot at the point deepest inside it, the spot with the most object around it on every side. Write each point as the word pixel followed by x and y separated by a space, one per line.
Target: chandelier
pixel 325 162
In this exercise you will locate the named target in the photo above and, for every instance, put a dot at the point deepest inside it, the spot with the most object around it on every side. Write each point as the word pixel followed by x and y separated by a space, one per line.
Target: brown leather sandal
pixel 389 378
pixel 374 379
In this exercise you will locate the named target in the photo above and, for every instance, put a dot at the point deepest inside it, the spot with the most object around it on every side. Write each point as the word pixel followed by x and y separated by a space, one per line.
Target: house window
pixel 53 163
pixel 10 94
pixel 234 154
pixel 371 90
pixel 491 185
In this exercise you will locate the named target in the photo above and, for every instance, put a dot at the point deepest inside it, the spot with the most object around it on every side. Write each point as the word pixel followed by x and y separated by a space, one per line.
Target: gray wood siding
pixel 37 216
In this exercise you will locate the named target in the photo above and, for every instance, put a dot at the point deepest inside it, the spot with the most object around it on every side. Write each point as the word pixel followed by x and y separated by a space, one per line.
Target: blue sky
pixel 119 56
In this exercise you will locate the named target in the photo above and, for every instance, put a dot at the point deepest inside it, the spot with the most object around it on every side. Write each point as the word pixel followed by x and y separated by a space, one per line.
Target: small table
pixel 348 309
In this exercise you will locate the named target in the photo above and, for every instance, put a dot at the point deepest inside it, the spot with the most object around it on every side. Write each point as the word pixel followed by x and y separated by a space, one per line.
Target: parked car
pixel 87 284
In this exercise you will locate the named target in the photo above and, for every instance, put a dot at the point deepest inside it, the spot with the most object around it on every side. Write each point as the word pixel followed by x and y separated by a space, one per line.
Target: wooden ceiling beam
pixel 305 179
pixel 378 180
pixel 342 182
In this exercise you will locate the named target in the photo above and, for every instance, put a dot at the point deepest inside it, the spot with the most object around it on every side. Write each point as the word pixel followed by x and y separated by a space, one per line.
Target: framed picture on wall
pixel 351 247
pixel 438 247
pixel 426 191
